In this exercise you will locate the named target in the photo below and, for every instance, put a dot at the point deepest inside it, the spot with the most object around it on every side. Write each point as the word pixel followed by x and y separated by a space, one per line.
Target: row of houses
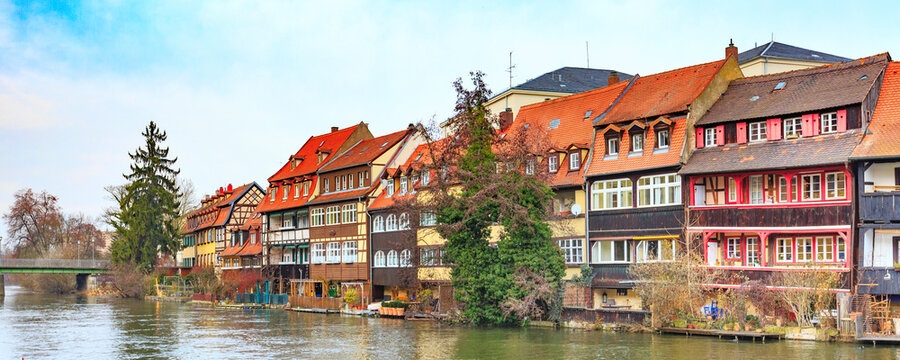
pixel 794 169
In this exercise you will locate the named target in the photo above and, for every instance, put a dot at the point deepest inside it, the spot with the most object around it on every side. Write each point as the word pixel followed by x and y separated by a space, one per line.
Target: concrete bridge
pixel 81 268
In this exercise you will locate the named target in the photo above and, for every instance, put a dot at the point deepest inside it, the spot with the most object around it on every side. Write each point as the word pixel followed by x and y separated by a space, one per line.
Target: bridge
pixel 81 268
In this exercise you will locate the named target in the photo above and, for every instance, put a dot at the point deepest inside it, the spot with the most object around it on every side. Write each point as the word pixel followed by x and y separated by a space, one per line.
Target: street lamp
pixel 92 250
pixel 77 248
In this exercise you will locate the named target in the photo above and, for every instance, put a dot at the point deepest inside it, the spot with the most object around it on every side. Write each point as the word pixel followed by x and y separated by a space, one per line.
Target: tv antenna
pixel 509 70
pixel 587 54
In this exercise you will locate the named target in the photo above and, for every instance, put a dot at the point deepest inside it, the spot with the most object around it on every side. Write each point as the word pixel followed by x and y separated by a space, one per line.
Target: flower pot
pixel 400 311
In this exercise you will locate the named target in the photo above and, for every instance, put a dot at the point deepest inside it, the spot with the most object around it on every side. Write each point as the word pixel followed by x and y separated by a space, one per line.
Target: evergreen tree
pixel 148 205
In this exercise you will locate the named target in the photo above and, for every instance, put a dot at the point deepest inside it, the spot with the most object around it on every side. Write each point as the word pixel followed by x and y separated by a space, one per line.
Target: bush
pixel 394 304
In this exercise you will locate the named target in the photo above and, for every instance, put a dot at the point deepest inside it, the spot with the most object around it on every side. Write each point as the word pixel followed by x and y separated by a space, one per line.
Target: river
pixel 77 327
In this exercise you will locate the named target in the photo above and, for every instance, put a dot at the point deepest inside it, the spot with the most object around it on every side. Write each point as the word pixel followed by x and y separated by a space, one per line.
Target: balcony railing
pixel 880 206
pixel 287 236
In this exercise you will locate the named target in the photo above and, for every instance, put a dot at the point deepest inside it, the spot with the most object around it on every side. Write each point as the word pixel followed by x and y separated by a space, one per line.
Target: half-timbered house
pixel 770 183
pixel 635 207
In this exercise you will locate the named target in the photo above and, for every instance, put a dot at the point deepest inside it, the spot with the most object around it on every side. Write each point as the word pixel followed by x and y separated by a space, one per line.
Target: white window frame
pixel 285 190
pixel 391 223
pixel 326 185
pixel 306 188
pixel 572 250
pixel 709 137
pixel 642 250
pixel 574 160
pixel 612 146
pixel 553 163
pixel 379 260
pixel 317 217
pixel 348 213
pixel 784 248
pixel 732 190
pixel 637 142
pixel 405 258
pixel 805 254
pixel 333 215
pixel 287 221
pixel 333 254
pixel 828 123
pixel 825 249
pixel 389 187
pixel 393 260
pixel 426 176
pixel 792 127
pixel 840 251
pixel 597 252
pixel 529 167
pixel 733 248
pixel 403 222
pixel 427 218
pixel 757 131
pixel 835 182
pixel 378 224
pixel 806 191
pixel 622 193
pixel 659 190
pixel 318 253
pixel 361 179
pixel 348 252
pixel 296 191
pixel 752 253
pixel 756 189
pixel 404 185
pixel 662 139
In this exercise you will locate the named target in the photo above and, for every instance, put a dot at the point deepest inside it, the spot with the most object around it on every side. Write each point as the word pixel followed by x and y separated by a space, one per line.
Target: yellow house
pixel 775 57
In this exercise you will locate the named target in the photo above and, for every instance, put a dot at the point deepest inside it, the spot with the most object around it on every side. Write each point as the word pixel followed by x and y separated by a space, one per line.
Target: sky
pixel 240 85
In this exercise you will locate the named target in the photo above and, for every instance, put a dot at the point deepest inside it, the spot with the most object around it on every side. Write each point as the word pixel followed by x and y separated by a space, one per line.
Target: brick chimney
pixel 613 78
pixel 505 119
pixel 731 50
pixel 334 129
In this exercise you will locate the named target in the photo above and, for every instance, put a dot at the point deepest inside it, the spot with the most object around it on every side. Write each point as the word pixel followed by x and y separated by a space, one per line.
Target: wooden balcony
pixel 879 281
pixel 288 236
pixel 771 216
pixel 611 276
pixel 881 206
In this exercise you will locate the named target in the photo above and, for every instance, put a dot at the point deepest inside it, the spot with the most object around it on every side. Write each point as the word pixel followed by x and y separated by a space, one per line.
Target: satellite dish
pixel 576 209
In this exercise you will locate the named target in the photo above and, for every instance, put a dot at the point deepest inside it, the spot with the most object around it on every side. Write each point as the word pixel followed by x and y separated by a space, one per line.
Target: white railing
pixel 55 263
pixel 293 235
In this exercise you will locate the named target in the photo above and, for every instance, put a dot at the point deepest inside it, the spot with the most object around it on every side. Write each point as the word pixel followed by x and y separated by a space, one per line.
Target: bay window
pixel 573 251
pixel 611 194
pixel 349 252
pixel 658 190
pixel 610 251
pixel 334 253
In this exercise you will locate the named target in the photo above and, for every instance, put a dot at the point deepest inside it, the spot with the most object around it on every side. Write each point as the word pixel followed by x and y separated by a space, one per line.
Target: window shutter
pixel 720 135
pixel 741 132
pixel 700 138
pixel 815 124
pixel 842 120
pixel 806 125
pixel 774 129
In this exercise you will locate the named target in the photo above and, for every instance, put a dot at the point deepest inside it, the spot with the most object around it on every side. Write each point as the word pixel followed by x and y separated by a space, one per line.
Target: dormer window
pixel 306 188
pixel 426 176
pixel 390 187
pixel 662 139
pixel 322 156
pixel 294 163
pixel 529 167
pixel 404 185
pixel 829 123
pixel 709 137
pixel 612 146
pixel 637 142
pixel 553 163
pixel 297 191
pixel 758 131
pixel 414 180
pixel 272 193
pixel 325 186
pixel 574 160
pixel 792 128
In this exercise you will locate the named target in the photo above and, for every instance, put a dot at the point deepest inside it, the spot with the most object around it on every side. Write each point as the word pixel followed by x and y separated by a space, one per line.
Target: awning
pixel 646 237
pixel 290 246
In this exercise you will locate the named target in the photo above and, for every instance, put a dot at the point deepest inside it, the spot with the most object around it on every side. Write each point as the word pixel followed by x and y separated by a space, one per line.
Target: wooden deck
pixel 893 340
pixel 723 334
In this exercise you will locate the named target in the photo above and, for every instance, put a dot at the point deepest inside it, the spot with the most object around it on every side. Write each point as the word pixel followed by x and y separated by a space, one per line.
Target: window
pixel 296 191
pixel 302 220
pixel 287 189
pixel 610 251
pixel 426 176
pixel 829 123
pixel 361 179
pixel 811 187
pixel 659 190
pixel 325 186
pixel 573 251
pixel 835 185
pixel 334 253
pixel 404 221
pixel 272 193
pixel 637 142
pixel 757 190
pixel 337 183
pixel 611 194
pixel 574 160
pixel 405 257
pixel 318 253
pixel 553 162
pixel 785 249
pixel 841 250
pixel 317 216
pixel 783 189
pixel 732 190
pixel 392 259
pixel 378 224
pixel 348 214
pixel 709 137
pixel 333 215
pixel 349 252
pixel 824 248
pixel 430 257
pixel 529 167
pixel 752 251
pixel 379 259
pixel 306 188
pixel 733 249
pixel 389 187
pixel 428 219
pixel 758 131
pixel 612 146
pixel 287 256
pixel 792 128
pixel 404 185
pixel 662 139
pixel 287 221
pixel 804 249
pixel 391 223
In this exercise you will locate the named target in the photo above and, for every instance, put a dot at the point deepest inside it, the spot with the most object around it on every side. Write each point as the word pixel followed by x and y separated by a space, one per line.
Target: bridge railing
pixel 55 263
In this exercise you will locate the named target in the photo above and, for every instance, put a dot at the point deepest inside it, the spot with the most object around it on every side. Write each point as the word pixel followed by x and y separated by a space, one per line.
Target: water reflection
pixel 35 326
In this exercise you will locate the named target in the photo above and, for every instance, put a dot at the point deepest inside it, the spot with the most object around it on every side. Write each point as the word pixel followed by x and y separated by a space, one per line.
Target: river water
pixel 77 327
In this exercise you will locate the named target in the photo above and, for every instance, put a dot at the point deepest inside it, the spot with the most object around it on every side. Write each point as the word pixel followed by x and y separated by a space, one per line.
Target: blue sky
pixel 239 86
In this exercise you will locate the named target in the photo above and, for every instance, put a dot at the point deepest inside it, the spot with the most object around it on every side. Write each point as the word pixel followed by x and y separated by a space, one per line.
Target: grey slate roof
pixel 804 90
pixel 777 50
pixel 771 155
pixel 570 80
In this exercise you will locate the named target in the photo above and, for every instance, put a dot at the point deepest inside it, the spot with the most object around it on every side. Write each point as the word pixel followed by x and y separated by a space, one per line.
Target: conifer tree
pixel 146 217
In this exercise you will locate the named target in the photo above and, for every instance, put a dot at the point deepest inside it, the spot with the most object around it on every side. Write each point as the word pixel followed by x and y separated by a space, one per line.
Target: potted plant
pixel 351 296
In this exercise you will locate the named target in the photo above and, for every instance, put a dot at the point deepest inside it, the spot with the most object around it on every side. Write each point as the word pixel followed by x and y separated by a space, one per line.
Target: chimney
pixel 505 119
pixel 230 188
pixel 731 50
pixel 613 78
pixel 221 190
pixel 334 129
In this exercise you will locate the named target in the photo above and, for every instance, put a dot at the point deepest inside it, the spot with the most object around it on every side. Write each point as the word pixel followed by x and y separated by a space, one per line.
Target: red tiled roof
pixel 663 93
pixel 365 151
pixel 251 249
pixel 571 118
pixel 883 136
pixel 232 251
pixel 309 152
pixel 648 159
pixel 255 220
pixel 219 208
pixel 343 195
pixel 280 203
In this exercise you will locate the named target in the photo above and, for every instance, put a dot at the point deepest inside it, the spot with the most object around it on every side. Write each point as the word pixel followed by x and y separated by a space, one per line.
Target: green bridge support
pixel 2 286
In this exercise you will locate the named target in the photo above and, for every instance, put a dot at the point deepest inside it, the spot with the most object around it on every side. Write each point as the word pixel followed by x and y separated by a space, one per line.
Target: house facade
pixel 634 193
pixel 770 186
pixel 876 168
pixel 774 57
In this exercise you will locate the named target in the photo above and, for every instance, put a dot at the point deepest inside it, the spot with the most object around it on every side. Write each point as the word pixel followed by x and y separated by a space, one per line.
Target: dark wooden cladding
pixel 609 276
pixel 291 271
pixel 877 276
pixel 340 272
pixel 636 221
pixel 395 276
pixel 772 216
pixel 768 276
pixel 880 207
